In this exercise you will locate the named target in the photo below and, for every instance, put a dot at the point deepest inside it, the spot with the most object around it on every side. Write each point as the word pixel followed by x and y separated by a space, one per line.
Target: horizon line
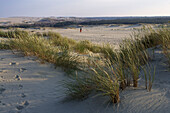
pixel 90 16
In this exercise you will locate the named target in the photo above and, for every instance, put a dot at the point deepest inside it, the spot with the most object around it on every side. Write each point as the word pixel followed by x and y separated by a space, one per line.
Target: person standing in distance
pixel 80 29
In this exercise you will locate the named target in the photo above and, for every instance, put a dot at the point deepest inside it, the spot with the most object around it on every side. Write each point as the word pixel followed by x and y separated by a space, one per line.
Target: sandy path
pixel 26 84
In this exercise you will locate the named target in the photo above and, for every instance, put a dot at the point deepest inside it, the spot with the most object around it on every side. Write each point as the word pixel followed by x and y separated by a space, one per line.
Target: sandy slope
pixel 35 89
pixel 38 89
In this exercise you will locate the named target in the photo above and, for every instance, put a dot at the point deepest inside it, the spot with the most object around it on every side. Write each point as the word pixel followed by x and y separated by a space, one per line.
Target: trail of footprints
pixel 17 77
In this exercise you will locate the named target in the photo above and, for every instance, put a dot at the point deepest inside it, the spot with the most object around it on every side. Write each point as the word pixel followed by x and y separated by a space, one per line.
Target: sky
pixel 84 8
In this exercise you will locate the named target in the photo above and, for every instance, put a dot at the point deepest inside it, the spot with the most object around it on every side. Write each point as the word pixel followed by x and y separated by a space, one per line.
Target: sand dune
pixel 39 90
pixel 27 86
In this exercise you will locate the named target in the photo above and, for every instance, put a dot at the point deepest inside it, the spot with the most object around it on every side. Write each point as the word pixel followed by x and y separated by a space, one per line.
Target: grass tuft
pixel 149 76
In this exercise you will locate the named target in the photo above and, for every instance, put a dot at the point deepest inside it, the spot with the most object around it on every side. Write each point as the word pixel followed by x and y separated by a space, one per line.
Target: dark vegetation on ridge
pixel 48 22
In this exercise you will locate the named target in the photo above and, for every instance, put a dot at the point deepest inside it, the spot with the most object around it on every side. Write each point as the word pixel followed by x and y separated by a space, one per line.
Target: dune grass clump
pixel 109 77
pixel 166 45
pixel 4 45
pixel 68 61
pixel 106 80
pixel 147 36
pixel 81 47
pixel 119 69
pixel 51 34
pixel 33 45
pixel 58 40
pixel 70 44
pixel 3 34
pixel 98 79
pixel 108 51
pixel 78 86
pixel 149 76
pixel 152 38
pixel 14 34
pixel 133 55
pixel 85 45
pixel 43 49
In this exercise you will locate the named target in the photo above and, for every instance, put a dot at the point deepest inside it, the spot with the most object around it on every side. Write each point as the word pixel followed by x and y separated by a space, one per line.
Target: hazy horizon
pixel 82 16
pixel 83 8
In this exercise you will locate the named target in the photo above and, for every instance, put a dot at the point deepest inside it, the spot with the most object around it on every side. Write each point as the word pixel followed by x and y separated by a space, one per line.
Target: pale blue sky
pixel 45 8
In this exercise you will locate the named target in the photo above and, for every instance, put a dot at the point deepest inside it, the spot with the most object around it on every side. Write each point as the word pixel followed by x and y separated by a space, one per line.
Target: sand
pixel 97 34
pixel 27 86
pixel 103 34
pixel 18 20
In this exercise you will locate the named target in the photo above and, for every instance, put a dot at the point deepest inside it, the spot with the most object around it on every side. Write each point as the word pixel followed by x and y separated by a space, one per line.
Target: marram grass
pixel 122 67
pixel 105 75
pixel 43 49
pixel 13 33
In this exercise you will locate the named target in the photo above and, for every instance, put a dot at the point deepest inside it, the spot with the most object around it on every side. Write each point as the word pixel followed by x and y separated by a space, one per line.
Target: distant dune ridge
pixel 27 22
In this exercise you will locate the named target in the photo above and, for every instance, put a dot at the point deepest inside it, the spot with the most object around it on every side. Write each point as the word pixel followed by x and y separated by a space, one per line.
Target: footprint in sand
pixel 20 86
pixel 2 90
pixel 25 103
pixel 1 78
pixel 13 63
pixel 23 95
pixel 17 77
pixel 22 70
pixel 22 106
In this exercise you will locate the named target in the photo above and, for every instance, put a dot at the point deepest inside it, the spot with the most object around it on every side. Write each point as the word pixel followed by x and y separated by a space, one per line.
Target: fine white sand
pixel 27 86
pixel 96 34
